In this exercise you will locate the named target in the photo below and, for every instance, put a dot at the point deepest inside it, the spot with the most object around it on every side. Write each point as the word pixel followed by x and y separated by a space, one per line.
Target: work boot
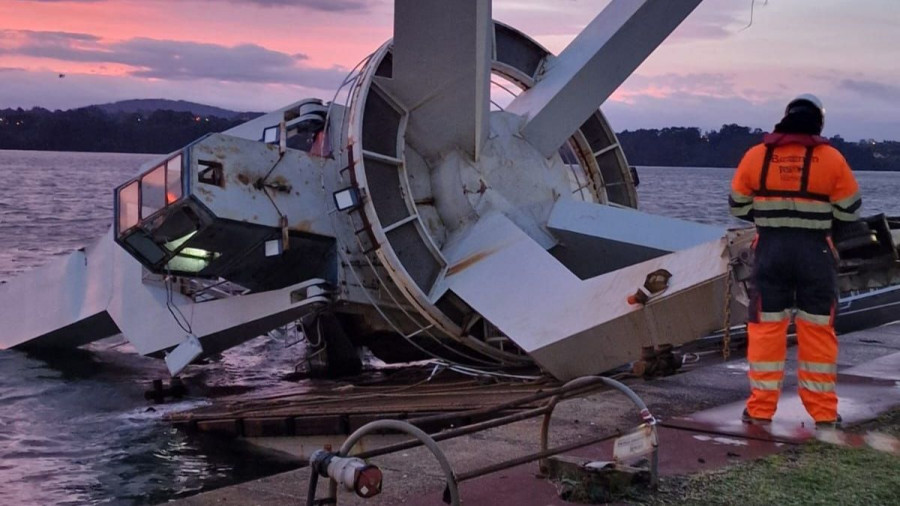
pixel 834 424
pixel 749 420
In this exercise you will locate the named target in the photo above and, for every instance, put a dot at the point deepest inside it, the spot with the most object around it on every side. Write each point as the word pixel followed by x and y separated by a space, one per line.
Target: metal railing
pixel 575 388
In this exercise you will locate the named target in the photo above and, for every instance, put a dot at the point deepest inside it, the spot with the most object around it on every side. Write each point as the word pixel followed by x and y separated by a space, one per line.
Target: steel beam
pixel 61 304
pixel 441 73
pixel 100 291
pixel 574 327
pixel 596 239
pixel 590 69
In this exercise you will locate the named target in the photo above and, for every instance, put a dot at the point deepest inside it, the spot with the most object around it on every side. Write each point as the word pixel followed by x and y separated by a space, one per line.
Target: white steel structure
pixel 414 216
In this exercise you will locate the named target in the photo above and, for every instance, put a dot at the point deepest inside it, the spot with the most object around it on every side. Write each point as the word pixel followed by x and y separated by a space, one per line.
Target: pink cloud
pixel 171 60
pixel 666 85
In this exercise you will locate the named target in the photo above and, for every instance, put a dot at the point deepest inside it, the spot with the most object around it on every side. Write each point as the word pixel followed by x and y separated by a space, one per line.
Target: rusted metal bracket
pixel 658 361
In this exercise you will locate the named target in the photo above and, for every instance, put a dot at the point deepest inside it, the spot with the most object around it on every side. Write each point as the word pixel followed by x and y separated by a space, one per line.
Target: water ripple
pixel 76 430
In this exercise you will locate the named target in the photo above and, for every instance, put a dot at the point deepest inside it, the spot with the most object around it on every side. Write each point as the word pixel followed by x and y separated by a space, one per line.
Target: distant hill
pixel 147 106
pixel 115 128
pixel 693 147
pixel 162 126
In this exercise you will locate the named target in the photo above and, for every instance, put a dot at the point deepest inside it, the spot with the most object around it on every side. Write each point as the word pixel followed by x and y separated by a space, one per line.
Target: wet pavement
pixel 700 430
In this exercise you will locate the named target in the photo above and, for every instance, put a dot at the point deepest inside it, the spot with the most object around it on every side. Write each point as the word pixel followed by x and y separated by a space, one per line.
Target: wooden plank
pixel 268 427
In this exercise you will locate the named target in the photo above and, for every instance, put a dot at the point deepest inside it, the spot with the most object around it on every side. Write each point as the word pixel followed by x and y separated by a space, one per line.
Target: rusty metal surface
pixel 292 186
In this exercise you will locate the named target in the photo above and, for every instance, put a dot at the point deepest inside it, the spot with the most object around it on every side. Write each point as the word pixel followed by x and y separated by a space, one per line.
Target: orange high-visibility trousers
pixel 766 352
pixel 817 365
pixel 793 269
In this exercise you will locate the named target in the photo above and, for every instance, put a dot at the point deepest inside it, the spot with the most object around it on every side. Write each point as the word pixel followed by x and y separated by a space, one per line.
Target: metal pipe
pixel 452 433
pixel 401 426
pixel 563 392
pixel 570 389
pixel 468 475
pixel 590 380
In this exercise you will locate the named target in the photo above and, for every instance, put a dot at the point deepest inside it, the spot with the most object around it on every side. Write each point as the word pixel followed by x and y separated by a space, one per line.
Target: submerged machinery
pixel 418 219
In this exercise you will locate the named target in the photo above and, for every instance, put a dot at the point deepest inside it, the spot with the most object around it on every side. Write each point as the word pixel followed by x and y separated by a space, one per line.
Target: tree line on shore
pixel 691 147
pixel 95 130
pixel 163 131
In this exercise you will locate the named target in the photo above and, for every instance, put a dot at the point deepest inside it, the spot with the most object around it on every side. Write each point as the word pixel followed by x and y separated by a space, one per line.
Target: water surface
pixel 75 429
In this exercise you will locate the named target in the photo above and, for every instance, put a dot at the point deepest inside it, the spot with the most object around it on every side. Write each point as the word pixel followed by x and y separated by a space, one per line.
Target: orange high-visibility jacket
pixel 794 180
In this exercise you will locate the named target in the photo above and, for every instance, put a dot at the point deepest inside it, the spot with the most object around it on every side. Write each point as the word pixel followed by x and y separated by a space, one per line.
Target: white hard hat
pixel 809 99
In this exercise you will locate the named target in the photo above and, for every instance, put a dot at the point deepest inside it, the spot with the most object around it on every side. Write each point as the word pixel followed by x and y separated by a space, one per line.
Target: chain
pixel 726 338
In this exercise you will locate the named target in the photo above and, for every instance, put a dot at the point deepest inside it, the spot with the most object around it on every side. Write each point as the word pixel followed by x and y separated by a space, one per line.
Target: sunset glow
pixel 260 54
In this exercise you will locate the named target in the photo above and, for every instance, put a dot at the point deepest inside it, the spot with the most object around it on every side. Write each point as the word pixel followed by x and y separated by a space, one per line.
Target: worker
pixel 792 186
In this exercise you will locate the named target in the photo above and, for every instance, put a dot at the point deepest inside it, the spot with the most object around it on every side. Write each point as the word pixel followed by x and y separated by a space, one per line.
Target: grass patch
pixel 812 474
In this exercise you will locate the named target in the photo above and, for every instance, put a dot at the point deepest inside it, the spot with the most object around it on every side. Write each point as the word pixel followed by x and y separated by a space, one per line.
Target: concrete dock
pixel 699 412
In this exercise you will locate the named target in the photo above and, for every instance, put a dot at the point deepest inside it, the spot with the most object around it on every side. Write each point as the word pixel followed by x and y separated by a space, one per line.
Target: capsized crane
pixel 414 219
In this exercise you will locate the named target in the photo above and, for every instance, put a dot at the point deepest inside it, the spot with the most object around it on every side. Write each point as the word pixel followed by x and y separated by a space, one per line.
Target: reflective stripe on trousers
pixel 766 351
pixel 793 267
pixel 817 368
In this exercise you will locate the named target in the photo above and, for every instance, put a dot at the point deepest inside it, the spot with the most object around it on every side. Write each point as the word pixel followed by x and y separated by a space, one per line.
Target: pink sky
pixel 260 54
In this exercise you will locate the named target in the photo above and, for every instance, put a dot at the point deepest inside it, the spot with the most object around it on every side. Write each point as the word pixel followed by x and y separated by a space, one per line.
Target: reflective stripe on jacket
pixel 793 180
